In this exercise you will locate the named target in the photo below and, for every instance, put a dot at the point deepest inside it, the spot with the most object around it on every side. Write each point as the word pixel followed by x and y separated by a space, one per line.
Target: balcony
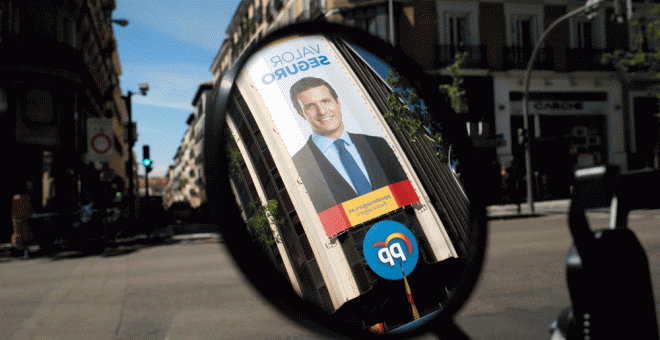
pixel 498 58
pixel 447 53
pixel 517 58
pixel 586 59
pixel 504 58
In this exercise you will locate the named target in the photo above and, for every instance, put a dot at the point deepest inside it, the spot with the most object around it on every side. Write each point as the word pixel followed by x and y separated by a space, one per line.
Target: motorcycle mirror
pixel 382 232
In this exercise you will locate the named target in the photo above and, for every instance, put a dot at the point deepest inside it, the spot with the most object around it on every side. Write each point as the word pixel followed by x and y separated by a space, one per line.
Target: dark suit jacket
pixel 327 188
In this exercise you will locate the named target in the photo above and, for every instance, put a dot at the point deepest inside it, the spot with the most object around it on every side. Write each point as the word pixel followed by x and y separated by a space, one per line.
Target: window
pixel 524 24
pixel 459 22
pixel 39 107
pixel 586 34
pixel 583 34
pixel 523 30
pixel 457 31
pixel 372 19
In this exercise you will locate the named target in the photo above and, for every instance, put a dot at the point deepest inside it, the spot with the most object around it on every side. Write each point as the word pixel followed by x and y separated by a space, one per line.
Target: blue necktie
pixel 357 176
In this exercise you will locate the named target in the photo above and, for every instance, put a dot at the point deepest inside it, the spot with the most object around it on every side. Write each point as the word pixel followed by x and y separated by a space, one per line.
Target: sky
pixel 170 44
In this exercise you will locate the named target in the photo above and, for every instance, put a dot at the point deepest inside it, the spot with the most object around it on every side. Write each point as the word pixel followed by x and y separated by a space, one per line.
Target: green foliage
pixel 407 111
pixel 235 160
pixel 453 90
pixel 259 223
pixel 403 103
pixel 638 58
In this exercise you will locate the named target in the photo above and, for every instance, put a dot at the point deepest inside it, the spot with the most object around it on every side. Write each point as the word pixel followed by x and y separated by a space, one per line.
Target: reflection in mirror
pixel 344 180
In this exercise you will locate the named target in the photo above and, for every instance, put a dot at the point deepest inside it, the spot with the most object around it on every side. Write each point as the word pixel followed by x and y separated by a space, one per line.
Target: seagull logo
pixel 390 252
pixel 393 236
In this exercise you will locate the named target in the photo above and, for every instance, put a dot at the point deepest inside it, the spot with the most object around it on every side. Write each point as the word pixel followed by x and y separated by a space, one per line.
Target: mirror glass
pixel 349 193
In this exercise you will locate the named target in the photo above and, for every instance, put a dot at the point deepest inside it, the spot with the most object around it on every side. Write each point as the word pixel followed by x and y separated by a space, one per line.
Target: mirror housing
pixel 248 255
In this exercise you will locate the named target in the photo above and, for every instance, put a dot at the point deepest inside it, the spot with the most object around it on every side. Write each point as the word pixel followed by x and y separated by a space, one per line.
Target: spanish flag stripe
pixel 336 219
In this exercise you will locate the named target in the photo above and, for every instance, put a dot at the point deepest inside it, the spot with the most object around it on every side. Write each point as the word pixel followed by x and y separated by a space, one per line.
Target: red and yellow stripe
pixel 351 213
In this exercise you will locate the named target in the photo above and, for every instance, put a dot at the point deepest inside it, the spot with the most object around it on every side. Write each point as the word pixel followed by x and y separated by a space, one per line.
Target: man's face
pixel 321 111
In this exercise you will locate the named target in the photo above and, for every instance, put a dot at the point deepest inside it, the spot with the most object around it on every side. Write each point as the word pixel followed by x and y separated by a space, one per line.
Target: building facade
pixel 572 92
pixel 59 71
pixel 186 176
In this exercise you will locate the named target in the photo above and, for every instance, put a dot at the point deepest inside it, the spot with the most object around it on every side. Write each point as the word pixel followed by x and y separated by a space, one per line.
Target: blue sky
pixel 170 44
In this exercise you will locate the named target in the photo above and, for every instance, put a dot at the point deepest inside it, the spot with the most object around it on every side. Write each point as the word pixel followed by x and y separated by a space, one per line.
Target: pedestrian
pixel 20 213
pixel 516 177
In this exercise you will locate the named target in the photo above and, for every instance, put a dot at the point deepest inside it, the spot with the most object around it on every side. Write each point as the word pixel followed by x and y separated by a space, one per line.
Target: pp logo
pixel 387 254
pixel 390 247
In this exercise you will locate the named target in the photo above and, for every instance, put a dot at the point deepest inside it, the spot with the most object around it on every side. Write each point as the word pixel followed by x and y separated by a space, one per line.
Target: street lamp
pixel 144 87
pixel 589 9
pixel 120 22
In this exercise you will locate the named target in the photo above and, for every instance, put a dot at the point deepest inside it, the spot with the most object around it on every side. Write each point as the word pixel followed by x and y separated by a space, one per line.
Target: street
pixel 189 289
pixel 523 285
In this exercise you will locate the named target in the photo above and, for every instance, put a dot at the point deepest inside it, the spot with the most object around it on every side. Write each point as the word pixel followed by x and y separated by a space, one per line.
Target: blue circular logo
pixel 390 249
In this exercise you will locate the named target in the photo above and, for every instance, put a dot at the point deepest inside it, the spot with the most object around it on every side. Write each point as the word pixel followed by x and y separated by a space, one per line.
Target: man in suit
pixel 335 165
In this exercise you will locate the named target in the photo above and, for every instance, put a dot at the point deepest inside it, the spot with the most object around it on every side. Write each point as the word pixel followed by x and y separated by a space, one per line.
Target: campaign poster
pixel 331 132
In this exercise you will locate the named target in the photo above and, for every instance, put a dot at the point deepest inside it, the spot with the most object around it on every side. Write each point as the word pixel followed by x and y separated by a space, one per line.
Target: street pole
pixel 528 73
pixel 129 166
pixel 390 9
pixel 146 186
pixel 144 87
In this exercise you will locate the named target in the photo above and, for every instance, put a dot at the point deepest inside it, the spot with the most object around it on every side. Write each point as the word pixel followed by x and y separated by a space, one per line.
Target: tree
pixel 643 57
pixel 644 54
pixel 408 112
pixel 259 224
pixel 454 90
pixel 235 159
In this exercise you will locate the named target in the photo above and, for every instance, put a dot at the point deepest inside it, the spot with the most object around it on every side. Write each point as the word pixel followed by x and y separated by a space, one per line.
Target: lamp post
pixel 120 22
pixel 591 5
pixel 144 87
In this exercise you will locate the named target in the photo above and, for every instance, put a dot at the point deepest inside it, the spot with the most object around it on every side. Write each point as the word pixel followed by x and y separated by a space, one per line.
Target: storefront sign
pixel 558 105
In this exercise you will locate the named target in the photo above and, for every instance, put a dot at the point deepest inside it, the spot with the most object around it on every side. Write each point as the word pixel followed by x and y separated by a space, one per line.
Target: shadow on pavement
pixel 118 247
pixel 514 216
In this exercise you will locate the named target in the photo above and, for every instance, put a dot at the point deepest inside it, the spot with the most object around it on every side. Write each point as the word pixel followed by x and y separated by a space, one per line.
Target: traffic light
pixel 146 160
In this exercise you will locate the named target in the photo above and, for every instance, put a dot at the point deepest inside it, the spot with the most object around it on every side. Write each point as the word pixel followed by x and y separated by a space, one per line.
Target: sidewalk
pixel 542 208
pixel 201 231
pixel 6 249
